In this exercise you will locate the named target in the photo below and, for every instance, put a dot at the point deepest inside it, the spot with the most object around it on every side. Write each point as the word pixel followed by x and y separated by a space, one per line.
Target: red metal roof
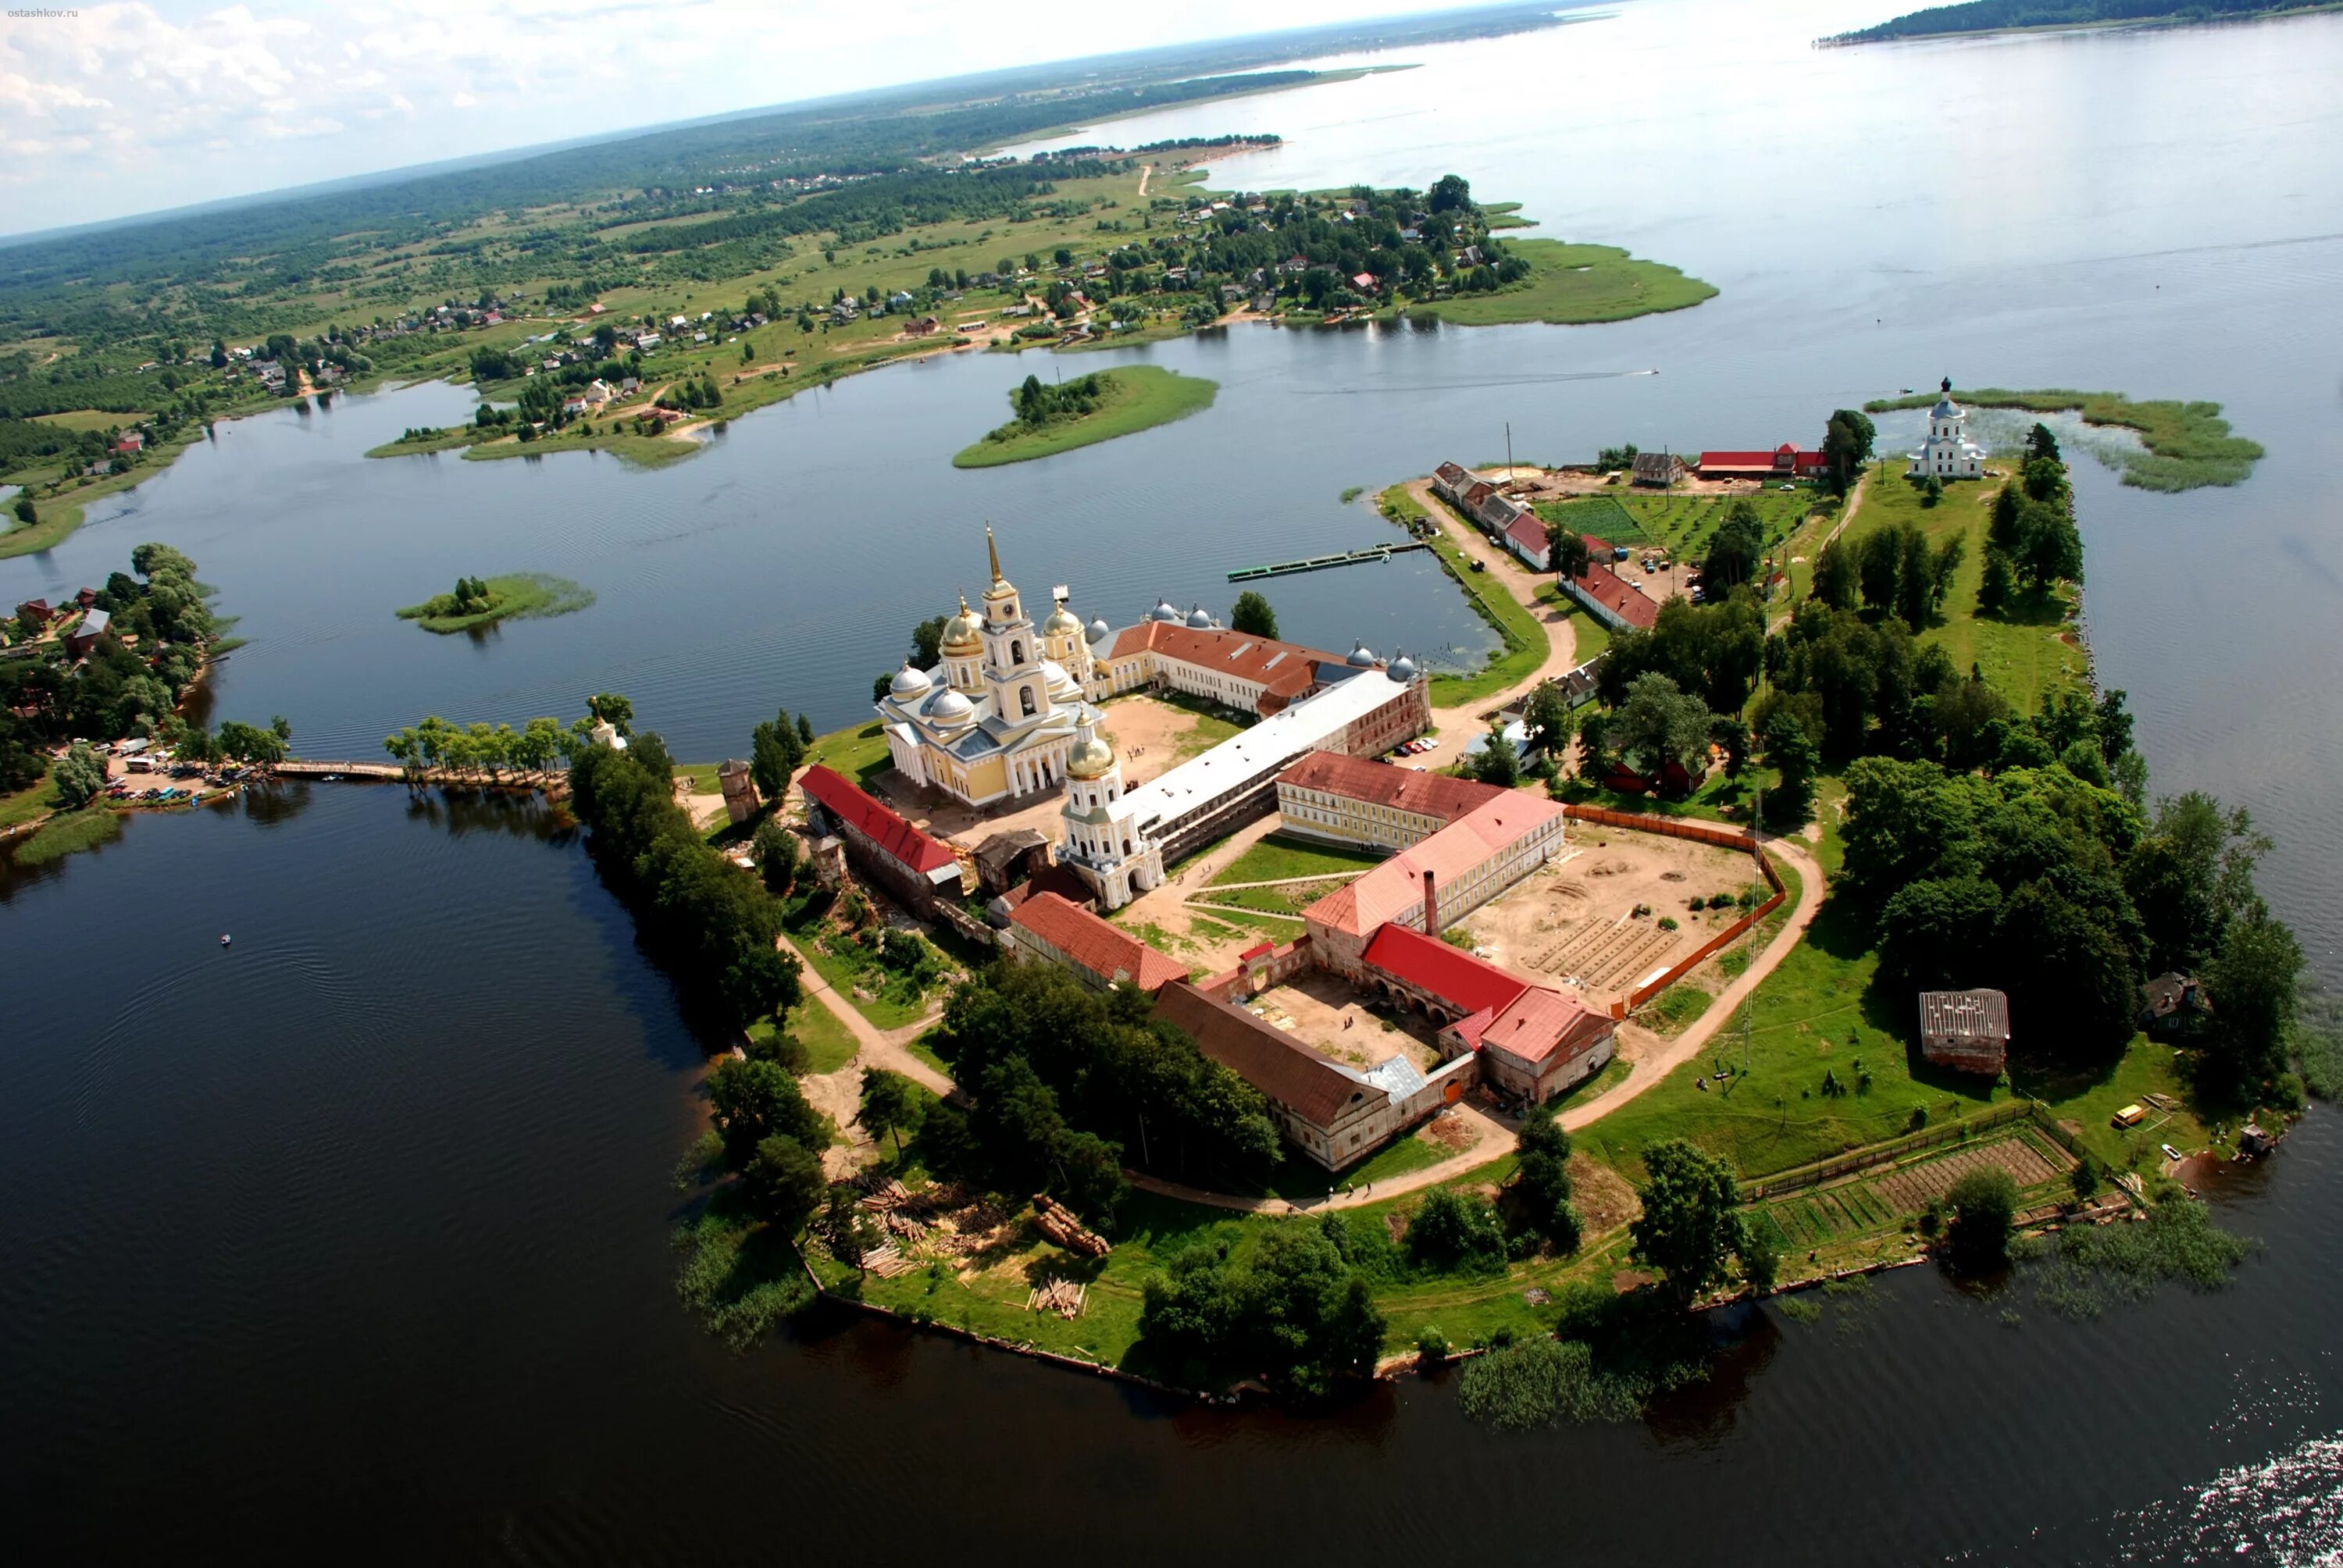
pixel 1285 670
pixel 1467 983
pixel 847 802
pixel 1395 886
pixel 1528 532
pixel 1381 784
pixel 1107 952
pixel 1616 594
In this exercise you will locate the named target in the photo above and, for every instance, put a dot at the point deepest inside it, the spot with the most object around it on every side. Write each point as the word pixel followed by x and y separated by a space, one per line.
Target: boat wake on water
pixel 1467 385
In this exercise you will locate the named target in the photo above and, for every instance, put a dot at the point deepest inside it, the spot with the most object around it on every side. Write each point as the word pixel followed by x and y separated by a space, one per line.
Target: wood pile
pixel 1063 1297
pixel 1058 1222
pixel 887 1261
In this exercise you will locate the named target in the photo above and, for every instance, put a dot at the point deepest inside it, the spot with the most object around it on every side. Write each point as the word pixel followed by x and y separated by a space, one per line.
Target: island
pixel 2016 16
pixel 1099 406
pixel 477 603
pixel 2183 445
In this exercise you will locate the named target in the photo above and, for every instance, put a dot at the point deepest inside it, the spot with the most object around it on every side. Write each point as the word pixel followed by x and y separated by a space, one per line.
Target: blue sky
pixel 112 109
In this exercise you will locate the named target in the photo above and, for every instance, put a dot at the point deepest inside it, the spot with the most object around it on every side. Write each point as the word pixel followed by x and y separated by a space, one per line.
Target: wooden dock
pixel 553 781
pixel 1323 563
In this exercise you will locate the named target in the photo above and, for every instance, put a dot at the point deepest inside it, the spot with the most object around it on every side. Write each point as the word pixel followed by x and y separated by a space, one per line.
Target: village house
pixel 1784 462
pixel 1048 928
pixel 1661 470
pixel 83 638
pixel 1966 1030
pixel 1363 803
pixel 1609 598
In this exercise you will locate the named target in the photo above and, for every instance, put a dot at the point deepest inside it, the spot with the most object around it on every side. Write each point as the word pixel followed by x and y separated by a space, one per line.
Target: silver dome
pixel 949 706
pixel 1402 669
pixel 910 683
pixel 1165 610
pixel 1362 658
pixel 1200 620
pixel 1099 631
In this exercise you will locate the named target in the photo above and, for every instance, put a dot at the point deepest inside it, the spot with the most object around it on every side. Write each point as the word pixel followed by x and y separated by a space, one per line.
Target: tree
pixel 774 753
pixel 1542 1190
pixel 927 642
pixel 1735 550
pixel 1253 615
pixel 2041 443
pixel 805 730
pixel 1659 724
pixel 1936 935
pixel 25 512
pixel 783 1183
pixel 754 1100
pixel 1880 568
pixel 1836 575
pixel 79 774
pixel 1449 193
pixel 1549 720
pixel 1567 554
pixel 2067 968
pixel 1848 440
pixel 610 707
pixel 1690 1222
pixel 2252 983
pixel 1981 1205
pixel 1456 1233
pixel 888 1105
pixel 1999 586
pixel 1497 762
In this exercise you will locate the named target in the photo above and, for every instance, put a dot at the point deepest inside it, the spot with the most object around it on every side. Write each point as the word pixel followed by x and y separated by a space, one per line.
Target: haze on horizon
pixel 113 110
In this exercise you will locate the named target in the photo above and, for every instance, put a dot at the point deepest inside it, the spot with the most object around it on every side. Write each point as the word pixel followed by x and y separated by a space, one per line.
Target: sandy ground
pixel 1545 484
pixel 1324 1012
pixel 1574 921
pixel 1150 736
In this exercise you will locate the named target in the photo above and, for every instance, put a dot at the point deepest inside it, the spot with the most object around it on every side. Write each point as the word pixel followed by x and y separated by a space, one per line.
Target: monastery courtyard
pixel 1150 734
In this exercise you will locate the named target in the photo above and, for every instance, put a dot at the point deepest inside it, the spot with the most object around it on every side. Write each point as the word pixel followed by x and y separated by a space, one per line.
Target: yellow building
pixel 994 719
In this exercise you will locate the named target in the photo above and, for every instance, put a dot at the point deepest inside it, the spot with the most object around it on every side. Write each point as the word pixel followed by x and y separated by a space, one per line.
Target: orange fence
pixel 1699 832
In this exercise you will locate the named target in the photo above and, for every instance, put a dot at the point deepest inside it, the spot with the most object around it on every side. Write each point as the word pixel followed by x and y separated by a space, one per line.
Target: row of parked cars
pixel 1417 746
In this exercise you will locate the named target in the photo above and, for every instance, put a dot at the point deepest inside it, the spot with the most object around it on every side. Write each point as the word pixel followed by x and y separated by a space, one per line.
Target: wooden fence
pixel 1701 833
pixel 1848 1164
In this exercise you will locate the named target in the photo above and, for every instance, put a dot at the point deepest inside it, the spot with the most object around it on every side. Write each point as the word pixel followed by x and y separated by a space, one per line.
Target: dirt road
pixel 887 1047
pixel 1502 574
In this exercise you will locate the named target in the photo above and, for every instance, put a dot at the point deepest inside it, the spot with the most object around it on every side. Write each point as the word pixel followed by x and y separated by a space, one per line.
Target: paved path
pixel 1504 574
pixel 887 1047
pixel 1499 1138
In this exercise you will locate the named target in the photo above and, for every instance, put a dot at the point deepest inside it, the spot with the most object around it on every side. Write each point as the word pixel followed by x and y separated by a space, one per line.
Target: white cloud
pixel 125 107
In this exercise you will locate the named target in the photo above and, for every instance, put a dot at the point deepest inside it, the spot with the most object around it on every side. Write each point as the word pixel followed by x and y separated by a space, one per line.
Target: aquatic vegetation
pixel 2184 444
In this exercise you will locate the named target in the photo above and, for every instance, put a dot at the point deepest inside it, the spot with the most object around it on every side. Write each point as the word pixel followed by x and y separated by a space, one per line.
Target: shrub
pixel 1541 1382
pixel 1456 1233
pixel 2085 1179
pixel 1667 922
pixel 1981 1206
pixel 1432 1346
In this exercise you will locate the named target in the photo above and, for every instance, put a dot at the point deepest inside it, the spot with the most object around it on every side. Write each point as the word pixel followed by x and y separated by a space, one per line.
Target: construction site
pixel 1615 909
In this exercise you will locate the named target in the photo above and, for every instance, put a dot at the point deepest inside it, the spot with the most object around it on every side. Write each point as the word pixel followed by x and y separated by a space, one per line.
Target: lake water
pixel 352 1238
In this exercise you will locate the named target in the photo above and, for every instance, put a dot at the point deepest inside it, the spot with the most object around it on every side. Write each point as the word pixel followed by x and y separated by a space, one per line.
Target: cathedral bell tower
pixel 1012 650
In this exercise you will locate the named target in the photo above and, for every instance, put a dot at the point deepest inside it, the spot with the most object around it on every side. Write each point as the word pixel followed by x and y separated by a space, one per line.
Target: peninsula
pixel 2017 16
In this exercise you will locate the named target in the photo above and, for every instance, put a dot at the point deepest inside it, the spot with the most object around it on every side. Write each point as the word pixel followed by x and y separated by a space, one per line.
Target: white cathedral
pixel 1948 453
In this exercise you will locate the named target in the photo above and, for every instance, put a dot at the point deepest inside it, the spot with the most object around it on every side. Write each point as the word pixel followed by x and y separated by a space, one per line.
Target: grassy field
pixel 1138 398
pixel 1278 857
pixel 1574 284
pixel 2022 651
pixel 35 799
pixel 454 439
pixel 1589 638
pixel 829 1044
pixel 2188 445
pixel 859 752
pixel 521 595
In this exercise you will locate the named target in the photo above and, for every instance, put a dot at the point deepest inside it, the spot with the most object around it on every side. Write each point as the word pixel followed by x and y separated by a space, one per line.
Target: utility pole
pixel 1509 451
pixel 1757 849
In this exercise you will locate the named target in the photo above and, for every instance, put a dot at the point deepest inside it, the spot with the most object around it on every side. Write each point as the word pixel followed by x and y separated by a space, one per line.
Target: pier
pixel 1321 563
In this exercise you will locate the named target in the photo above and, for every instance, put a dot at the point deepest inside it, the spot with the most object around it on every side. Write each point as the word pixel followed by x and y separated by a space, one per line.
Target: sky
pixel 108 110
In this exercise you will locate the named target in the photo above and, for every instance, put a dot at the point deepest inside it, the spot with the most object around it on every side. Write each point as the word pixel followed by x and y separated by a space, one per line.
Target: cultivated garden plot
pixel 1809 1219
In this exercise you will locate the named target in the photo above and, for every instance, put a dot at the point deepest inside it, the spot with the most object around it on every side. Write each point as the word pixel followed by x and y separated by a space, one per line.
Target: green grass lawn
pixel 859 752
pixel 2187 444
pixel 518 596
pixel 35 799
pixel 1278 857
pixel 1589 637
pixel 454 439
pixel 829 1044
pixel 69 834
pixel 1139 398
pixel 2023 652
pixel 1571 284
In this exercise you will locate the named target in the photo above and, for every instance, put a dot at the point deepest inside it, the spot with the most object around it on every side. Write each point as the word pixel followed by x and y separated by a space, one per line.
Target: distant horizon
pixel 240 105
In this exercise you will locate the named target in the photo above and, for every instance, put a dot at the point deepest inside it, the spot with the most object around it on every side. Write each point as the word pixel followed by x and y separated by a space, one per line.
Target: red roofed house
pixel 1363 281
pixel 1611 598
pixel 1526 537
pixel 1359 801
pixel 1233 669
pixel 1532 1041
pixel 910 866
pixel 1437 881
pixel 1451 480
pixel 1047 928
pixel 1784 462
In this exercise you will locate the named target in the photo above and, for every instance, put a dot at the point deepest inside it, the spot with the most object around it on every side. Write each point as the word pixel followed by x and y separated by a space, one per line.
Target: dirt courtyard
pixel 1150 736
pixel 1575 921
pixel 1321 1011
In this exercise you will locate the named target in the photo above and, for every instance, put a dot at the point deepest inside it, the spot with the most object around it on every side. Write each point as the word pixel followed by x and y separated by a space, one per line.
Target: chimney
pixel 1431 907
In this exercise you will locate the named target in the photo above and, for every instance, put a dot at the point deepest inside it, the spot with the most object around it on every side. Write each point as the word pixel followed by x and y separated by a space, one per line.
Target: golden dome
pixel 1090 757
pixel 960 632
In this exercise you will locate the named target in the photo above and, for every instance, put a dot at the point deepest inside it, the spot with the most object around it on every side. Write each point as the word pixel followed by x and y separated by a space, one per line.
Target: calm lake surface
pixel 353 1239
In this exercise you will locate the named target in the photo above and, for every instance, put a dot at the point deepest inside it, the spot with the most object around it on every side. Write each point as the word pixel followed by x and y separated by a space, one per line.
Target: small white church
pixel 1948 453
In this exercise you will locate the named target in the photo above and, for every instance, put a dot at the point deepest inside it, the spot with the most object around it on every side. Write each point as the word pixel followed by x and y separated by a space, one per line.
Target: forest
pixel 1994 16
